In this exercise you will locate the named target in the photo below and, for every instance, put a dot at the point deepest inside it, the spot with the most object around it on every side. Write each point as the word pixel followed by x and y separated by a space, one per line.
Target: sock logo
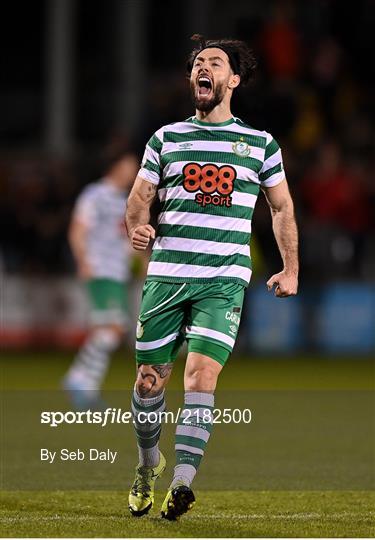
pixel 209 179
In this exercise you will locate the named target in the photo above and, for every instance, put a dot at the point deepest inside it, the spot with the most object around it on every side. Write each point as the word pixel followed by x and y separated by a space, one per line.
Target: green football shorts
pixel 207 315
pixel 108 301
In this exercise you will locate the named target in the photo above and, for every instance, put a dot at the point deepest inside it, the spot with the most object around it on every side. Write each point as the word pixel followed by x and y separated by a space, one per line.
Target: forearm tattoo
pixel 151 192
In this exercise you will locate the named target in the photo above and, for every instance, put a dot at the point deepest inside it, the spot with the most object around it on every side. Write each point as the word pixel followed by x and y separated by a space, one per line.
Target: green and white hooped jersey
pixel 101 207
pixel 208 178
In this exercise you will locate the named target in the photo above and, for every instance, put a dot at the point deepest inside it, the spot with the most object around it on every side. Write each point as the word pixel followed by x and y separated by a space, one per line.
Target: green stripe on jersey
pixel 152 167
pixel 244 186
pixel 273 170
pixel 271 149
pixel 199 259
pixel 155 143
pixel 202 233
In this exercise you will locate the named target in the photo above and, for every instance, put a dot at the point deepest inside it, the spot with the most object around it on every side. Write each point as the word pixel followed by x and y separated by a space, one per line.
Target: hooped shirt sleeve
pixel 272 171
pixel 151 168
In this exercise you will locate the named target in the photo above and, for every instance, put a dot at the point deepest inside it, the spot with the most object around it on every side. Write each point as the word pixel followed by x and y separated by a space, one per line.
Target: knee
pixel 201 379
pixel 152 379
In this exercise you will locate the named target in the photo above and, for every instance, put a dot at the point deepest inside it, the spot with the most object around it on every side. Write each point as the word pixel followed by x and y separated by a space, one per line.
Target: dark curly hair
pixel 241 57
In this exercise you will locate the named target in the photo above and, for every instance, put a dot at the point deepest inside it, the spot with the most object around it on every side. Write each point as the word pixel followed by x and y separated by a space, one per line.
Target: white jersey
pixel 101 207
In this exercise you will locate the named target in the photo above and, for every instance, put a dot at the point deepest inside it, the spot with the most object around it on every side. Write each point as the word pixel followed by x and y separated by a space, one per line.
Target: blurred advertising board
pixel 337 318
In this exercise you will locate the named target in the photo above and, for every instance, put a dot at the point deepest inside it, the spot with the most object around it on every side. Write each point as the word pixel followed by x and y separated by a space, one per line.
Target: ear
pixel 234 81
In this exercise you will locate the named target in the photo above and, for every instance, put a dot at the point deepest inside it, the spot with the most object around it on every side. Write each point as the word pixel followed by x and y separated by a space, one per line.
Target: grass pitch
pixel 218 513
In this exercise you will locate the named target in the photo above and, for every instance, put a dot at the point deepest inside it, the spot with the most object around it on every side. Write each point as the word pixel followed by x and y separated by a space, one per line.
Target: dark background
pixel 76 74
pixel 81 75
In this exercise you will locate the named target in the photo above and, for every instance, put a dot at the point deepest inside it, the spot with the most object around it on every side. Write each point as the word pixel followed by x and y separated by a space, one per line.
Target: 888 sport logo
pixel 215 184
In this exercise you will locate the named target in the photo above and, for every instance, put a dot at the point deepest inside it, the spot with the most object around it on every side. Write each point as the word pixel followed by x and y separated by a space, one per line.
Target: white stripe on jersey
pixel 153 156
pixel 179 192
pixel 273 160
pixel 210 146
pixel 201 246
pixel 195 271
pixel 210 221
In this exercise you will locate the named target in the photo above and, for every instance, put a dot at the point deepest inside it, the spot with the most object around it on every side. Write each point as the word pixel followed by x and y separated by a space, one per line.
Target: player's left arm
pixel 286 235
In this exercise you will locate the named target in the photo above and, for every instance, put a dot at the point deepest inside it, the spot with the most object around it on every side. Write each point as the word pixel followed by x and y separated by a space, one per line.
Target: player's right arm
pixel 144 190
pixel 137 215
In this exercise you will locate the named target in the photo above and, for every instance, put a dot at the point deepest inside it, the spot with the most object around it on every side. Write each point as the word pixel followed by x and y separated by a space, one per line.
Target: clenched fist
pixel 140 236
pixel 286 284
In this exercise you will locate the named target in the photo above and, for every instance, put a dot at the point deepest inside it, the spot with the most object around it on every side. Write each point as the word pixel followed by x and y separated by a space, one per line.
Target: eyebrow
pixel 211 58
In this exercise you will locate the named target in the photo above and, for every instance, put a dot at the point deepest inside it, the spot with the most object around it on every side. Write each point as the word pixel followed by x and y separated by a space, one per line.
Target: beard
pixel 207 105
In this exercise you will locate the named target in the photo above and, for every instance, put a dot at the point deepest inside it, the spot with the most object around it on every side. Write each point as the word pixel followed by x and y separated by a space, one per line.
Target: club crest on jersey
pixel 241 148
pixel 214 185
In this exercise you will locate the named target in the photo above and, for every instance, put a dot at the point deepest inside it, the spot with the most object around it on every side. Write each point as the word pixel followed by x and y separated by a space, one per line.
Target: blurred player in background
pixel 103 258
pixel 207 172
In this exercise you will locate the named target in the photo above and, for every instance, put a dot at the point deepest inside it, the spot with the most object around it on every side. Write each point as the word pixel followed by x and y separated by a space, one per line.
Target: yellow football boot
pixel 178 501
pixel 141 496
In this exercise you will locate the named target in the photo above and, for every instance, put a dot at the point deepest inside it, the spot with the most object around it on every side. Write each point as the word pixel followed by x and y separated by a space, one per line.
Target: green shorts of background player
pixel 207 316
pixel 108 317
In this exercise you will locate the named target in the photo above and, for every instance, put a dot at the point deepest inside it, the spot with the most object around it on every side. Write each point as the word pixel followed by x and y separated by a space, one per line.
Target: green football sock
pixel 147 432
pixel 192 434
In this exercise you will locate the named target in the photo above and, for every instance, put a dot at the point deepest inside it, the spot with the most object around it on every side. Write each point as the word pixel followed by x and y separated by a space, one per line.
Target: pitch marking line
pixel 303 516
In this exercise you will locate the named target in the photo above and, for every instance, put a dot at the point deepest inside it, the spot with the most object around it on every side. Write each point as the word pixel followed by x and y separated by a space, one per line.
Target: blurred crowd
pixel 314 92
pixel 37 196
pixel 318 89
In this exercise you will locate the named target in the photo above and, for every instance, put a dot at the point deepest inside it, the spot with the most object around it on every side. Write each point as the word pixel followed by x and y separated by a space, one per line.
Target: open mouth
pixel 204 85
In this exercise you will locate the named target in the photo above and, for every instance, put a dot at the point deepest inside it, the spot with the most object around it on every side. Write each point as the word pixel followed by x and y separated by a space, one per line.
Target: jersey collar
pixel 195 120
